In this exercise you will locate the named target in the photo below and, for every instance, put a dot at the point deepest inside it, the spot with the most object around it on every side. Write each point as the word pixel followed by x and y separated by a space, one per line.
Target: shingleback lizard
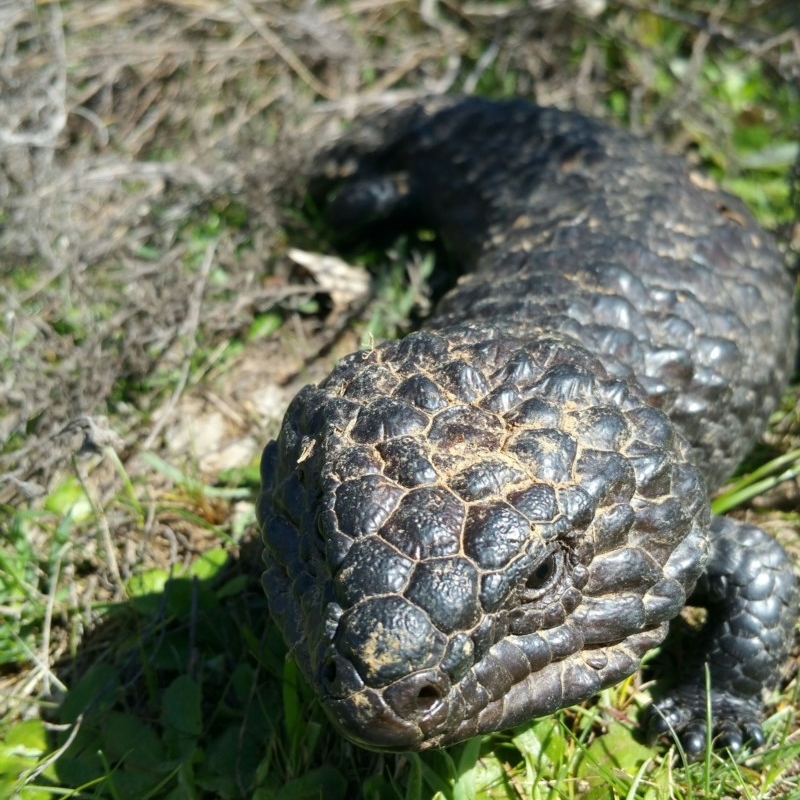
pixel 499 514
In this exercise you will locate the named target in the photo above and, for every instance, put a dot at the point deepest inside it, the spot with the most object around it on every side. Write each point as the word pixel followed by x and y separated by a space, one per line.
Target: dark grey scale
pixel 550 452
pixel 491 628
pixel 384 418
pixel 337 544
pixel 537 502
pixel 501 400
pixel 371 383
pixel 652 470
pixel 363 505
pixel 422 392
pixel 623 570
pixel 479 481
pixel 499 515
pixel 519 370
pixel 447 589
pixel 356 462
pixel 463 381
pixel 371 566
pixel 388 637
pixel 493 534
pixel 534 411
pixel 460 425
pixel 426 524
pixel 406 462
pixel 577 506
pixel 611 528
pixel 607 476
pixel 458 657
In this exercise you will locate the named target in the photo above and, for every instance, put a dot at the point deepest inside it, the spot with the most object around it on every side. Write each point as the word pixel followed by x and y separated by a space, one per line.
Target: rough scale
pixel 500 514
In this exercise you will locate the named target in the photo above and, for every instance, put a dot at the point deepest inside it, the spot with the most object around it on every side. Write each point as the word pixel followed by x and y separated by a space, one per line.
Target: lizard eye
pixel 542 577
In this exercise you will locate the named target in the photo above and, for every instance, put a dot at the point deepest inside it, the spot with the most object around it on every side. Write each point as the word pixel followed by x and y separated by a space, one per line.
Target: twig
pixel 27 777
pixel 483 63
pixel 105 529
pixel 47 622
pixel 56 94
pixel 292 61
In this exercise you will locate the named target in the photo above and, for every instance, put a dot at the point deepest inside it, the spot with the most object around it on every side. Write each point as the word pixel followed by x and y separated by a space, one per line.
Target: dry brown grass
pixel 122 120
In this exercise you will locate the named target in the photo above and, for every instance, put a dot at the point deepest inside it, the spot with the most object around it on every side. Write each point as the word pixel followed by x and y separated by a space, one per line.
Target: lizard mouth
pixel 426 710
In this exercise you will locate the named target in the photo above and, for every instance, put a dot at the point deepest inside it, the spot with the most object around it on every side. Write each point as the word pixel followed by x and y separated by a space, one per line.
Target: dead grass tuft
pixel 126 123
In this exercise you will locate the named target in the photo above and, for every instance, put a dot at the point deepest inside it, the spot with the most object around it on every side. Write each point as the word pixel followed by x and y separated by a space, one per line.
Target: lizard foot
pixel 683 713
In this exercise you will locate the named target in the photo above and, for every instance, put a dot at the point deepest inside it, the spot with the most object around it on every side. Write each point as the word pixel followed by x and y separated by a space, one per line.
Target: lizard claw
pixel 683 715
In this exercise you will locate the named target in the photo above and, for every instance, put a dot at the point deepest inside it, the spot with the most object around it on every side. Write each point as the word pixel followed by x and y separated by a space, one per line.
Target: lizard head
pixel 465 530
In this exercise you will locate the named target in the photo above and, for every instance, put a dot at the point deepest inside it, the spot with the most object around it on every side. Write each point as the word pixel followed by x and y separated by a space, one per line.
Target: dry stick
pixel 483 63
pixel 225 409
pixel 190 333
pixel 96 121
pixel 105 528
pixel 338 13
pixel 47 623
pixel 409 63
pixel 77 623
pixel 102 174
pixel 791 35
pixel 292 61
pixel 148 526
pixel 28 777
pixel 26 687
pixel 741 35
pixel 57 94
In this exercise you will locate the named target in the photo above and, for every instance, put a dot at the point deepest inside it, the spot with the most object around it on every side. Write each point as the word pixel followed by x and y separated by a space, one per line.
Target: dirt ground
pixel 151 173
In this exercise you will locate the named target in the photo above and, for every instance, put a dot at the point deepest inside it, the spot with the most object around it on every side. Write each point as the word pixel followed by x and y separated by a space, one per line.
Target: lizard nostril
pixel 419 696
pixel 427 697
pixel 338 678
pixel 329 671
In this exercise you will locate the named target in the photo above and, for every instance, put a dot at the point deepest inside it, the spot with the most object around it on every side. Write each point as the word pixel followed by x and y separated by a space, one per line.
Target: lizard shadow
pixel 187 679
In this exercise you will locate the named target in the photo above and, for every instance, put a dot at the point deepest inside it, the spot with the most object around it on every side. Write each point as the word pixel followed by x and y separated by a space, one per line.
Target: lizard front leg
pixel 751 595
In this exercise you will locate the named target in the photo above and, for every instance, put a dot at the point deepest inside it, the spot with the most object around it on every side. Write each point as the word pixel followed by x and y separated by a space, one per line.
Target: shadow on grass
pixel 186 692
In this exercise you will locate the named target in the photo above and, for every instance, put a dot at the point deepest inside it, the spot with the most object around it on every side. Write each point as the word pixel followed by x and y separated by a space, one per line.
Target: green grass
pixel 170 681
pixel 185 690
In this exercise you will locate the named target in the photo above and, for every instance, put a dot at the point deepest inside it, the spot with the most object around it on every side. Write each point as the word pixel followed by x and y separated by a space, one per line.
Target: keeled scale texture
pixel 498 516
